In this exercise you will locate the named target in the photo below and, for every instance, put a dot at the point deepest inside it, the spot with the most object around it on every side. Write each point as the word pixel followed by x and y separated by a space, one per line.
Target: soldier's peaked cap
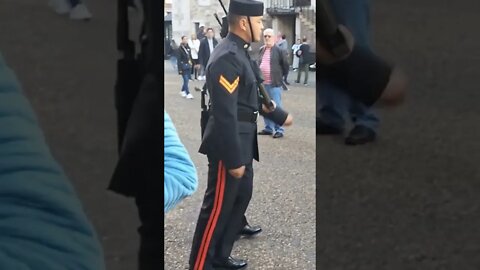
pixel 246 7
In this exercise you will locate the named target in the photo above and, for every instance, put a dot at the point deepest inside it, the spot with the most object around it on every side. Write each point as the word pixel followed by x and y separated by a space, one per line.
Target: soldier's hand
pixel 238 172
pixel 288 121
pixel 394 93
pixel 326 57
pixel 268 110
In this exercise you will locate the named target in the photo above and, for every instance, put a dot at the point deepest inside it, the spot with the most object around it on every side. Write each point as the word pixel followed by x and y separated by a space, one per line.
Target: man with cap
pixel 230 140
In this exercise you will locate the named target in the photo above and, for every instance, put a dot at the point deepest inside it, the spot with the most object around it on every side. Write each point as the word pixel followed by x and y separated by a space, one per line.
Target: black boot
pixel 230 263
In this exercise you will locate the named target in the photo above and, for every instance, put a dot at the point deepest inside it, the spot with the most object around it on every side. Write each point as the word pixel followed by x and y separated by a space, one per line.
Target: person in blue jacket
pixel 179 172
pixel 42 223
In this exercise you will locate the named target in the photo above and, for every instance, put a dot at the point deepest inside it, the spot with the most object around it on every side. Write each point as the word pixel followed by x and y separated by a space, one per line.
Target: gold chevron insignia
pixel 230 87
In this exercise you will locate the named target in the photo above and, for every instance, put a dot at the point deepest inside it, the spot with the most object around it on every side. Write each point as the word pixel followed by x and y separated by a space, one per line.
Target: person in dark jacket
pixel 273 63
pixel 283 44
pixel 185 63
pixel 206 48
pixel 305 60
pixel 201 32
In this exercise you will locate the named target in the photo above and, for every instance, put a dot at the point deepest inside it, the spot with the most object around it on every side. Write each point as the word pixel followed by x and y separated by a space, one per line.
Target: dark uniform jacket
pixel 233 92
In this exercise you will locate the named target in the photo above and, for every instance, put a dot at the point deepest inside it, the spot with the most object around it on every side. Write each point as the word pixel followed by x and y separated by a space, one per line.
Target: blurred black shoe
pixel 277 135
pixel 249 231
pixel 360 135
pixel 325 129
pixel 265 132
pixel 230 263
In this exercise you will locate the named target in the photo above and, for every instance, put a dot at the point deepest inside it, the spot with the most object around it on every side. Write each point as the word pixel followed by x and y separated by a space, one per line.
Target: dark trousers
pixel 151 229
pixel 221 216
pixel 303 68
pixel 74 3
pixel 195 70
pixel 285 76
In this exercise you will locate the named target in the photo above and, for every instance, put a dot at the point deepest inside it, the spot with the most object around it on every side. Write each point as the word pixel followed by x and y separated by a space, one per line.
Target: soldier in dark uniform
pixel 230 140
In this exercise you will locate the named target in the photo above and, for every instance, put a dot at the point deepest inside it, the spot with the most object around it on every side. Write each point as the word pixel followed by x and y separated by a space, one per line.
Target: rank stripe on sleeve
pixel 230 87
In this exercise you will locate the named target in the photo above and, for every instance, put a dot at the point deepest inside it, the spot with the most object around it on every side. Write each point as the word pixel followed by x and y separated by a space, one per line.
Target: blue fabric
pixel 180 173
pixel 334 103
pixel 42 223
pixel 73 3
pixel 275 94
pixel 186 78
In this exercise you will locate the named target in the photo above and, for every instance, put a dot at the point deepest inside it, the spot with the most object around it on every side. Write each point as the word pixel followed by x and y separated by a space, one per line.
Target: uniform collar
pixel 240 42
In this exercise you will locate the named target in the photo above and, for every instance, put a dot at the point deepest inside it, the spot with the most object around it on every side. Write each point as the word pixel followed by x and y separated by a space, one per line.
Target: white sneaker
pixel 80 12
pixel 183 94
pixel 60 6
pixel 189 96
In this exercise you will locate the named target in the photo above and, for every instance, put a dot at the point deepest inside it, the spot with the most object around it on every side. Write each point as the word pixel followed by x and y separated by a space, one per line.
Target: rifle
pixel 138 104
pixel 205 113
pixel 128 72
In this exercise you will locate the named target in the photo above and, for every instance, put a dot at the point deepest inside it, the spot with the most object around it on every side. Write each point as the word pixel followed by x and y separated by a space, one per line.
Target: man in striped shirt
pixel 273 64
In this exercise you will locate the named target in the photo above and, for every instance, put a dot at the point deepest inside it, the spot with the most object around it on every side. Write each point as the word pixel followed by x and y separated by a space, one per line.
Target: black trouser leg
pixel 306 69
pixel 216 212
pixel 151 230
pixel 285 76
pixel 237 219
pixel 244 223
pixel 195 69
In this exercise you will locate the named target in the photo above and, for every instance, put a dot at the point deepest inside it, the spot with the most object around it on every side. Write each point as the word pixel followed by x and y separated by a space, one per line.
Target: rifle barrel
pixel 218 20
pixel 224 9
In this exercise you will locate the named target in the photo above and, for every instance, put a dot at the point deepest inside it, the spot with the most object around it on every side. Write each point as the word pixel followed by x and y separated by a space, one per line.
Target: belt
pixel 247 117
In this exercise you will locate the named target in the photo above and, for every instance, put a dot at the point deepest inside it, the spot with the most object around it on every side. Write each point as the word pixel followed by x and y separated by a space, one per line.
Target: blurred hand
pixel 288 121
pixel 325 57
pixel 266 109
pixel 394 93
pixel 238 172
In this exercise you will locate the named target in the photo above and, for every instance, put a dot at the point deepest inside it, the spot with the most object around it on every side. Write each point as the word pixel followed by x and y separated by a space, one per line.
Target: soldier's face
pixel 257 28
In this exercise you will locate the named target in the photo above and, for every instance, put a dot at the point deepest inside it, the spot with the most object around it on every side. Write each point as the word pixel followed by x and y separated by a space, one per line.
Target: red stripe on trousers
pixel 212 221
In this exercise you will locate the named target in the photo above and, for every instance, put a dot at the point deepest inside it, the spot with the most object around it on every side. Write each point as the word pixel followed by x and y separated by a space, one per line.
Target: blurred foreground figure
pixel 76 9
pixel 42 223
pixel 138 172
pixel 353 67
pixel 334 105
